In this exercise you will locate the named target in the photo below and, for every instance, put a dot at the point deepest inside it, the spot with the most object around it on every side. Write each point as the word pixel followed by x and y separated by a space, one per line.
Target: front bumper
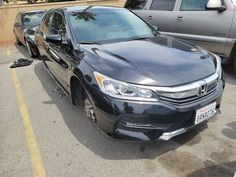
pixel 149 121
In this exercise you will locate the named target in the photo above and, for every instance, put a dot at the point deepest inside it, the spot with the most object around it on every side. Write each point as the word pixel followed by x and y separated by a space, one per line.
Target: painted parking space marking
pixel 36 160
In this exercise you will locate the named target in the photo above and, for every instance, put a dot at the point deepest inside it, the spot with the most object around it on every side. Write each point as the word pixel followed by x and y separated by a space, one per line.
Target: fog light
pixel 135 125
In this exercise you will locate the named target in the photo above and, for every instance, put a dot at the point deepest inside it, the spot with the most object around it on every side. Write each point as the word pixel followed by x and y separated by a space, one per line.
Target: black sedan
pixel 131 81
pixel 26 23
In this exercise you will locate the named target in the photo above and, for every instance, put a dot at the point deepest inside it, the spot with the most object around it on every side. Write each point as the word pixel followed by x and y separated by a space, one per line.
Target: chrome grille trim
pixel 191 88
pixel 189 93
pixel 188 100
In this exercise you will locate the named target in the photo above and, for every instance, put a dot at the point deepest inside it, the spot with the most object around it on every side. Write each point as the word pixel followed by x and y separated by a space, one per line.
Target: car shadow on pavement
pixel 230 74
pixel 102 145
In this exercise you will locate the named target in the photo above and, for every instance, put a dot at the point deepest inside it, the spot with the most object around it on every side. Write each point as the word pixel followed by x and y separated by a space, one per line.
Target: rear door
pixel 206 28
pixel 19 29
pixel 15 29
pixel 159 13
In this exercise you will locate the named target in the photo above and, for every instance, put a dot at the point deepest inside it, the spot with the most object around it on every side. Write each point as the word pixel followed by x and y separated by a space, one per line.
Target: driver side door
pixel 58 53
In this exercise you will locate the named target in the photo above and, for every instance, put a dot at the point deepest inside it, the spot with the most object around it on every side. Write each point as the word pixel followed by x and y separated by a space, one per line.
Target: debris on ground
pixel 21 62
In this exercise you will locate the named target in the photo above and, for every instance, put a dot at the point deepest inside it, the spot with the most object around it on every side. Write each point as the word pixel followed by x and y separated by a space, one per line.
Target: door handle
pixel 149 17
pixel 179 19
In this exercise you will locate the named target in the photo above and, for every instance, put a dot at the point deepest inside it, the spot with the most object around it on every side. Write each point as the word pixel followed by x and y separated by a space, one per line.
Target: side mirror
pixel 215 5
pixel 54 39
pixel 17 25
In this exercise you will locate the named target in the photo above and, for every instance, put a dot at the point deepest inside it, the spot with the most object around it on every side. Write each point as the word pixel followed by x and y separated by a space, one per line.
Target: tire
pixel 31 53
pixel 81 98
pixel 18 42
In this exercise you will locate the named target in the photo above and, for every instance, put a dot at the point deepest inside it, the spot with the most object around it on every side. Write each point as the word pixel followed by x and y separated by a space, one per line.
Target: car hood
pixel 158 61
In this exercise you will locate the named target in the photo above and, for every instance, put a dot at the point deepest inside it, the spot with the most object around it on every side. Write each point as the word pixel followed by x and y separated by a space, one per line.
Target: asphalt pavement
pixel 43 134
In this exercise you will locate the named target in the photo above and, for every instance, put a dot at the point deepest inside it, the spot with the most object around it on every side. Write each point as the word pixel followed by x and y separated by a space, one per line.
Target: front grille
pixel 211 89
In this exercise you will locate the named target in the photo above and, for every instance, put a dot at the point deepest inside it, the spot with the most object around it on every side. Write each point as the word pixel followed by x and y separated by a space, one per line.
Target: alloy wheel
pixel 88 107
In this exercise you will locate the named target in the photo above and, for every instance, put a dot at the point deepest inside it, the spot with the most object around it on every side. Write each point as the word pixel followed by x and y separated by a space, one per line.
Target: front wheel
pixel 81 98
pixel 29 49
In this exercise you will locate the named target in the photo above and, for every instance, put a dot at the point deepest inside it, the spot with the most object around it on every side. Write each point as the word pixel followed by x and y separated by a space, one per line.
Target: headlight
pixel 218 66
pixel 123 90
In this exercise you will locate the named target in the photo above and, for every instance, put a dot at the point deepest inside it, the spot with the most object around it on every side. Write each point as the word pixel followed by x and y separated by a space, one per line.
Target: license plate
pixel 205 113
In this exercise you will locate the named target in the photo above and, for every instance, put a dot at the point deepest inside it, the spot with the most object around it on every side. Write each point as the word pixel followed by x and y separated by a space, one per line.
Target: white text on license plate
pixel 205 113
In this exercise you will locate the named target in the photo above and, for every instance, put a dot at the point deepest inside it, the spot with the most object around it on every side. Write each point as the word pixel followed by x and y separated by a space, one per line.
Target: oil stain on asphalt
pixel 181 163
pixel 230 131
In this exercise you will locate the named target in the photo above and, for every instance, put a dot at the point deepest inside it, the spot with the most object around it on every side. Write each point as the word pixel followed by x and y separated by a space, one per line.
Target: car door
pixel 40 38
pixel 160 13
pixel 18 28
pixel 58 52
pixel 206 28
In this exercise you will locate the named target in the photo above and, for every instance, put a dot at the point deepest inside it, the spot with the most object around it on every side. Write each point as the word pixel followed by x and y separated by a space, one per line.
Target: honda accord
pixel 133 82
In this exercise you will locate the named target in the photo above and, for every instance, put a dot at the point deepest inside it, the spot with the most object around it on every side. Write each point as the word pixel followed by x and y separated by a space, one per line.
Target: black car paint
pixel 158 61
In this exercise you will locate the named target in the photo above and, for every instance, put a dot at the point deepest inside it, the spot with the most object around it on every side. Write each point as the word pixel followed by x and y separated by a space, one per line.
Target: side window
pixel 45 27
pixel 193 5
pixel 58 24
pixel 163 5
pixel 135 4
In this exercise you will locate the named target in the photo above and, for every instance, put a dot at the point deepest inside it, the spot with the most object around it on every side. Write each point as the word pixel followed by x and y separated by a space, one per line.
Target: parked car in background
pixel 26 23
pixel 210 24
pixel 133 82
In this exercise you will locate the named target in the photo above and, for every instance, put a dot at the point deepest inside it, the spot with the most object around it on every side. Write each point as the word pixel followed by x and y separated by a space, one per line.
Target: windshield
pixel 100 25
pixel 32 19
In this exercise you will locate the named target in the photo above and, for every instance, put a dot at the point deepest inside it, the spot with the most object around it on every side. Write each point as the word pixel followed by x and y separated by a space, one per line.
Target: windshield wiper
pixel 90 42
pixel 139 38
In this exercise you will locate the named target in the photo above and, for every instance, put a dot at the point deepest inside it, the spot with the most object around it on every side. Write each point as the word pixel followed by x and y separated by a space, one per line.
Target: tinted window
pixel 108 24
pixel 135 4
pixel 57 24
pixel 32 19
pixel 47 23
pixel 166 5
pixel 193 5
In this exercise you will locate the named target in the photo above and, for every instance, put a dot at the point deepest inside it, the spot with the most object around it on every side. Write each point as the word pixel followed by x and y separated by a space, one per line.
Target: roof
pixel 81 8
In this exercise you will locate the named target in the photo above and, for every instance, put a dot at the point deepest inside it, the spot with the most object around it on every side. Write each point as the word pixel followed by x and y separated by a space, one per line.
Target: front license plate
pixel 205 113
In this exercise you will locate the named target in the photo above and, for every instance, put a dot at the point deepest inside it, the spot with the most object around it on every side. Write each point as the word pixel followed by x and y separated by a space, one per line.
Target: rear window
pixel 135 4
pixel 32 19
pixel 164 5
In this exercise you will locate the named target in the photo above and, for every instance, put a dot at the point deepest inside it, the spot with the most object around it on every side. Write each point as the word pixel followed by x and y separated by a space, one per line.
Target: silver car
pixel 210 24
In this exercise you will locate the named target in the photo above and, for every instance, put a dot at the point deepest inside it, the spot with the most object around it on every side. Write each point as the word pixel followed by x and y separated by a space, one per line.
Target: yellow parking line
pixel 36 159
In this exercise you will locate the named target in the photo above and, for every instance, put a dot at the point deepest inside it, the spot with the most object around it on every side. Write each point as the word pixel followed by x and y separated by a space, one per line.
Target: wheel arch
pixel 75 83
